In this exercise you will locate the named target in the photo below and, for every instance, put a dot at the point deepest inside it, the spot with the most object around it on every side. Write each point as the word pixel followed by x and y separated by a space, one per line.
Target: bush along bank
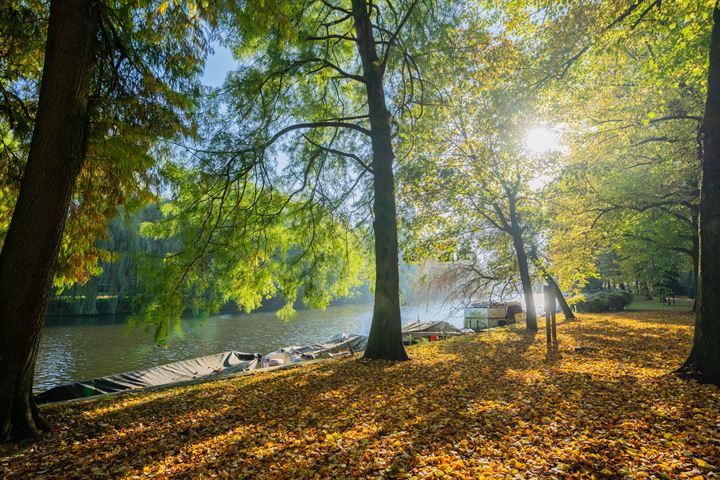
pixel 604 301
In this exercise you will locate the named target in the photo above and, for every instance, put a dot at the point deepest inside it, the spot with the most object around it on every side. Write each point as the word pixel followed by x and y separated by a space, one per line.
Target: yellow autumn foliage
pixel 481 406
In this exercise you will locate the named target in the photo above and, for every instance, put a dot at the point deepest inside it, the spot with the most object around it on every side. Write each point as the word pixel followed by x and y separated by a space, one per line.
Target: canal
pixel 81 348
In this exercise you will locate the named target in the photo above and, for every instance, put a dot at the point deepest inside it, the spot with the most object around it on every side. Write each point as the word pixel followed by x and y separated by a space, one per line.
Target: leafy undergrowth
pixel 481 406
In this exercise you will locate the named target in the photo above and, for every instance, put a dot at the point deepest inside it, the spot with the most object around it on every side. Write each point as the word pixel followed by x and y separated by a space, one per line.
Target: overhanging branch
pixel 309 125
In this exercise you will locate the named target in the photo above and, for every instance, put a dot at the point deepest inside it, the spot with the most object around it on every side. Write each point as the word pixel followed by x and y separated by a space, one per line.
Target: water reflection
pixel 78 348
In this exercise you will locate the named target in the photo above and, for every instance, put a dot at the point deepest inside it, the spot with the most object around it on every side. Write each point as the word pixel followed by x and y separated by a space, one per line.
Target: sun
pixel 542 140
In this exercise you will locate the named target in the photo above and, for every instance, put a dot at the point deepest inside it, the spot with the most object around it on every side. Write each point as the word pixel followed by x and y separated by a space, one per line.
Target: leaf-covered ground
pixel 482 406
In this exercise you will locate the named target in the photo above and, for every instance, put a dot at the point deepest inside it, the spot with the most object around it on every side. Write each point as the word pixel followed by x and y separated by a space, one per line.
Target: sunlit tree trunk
pixel 515 230
pixel 33 239
pixel 705 355
pixel 385 339
pixel 525 280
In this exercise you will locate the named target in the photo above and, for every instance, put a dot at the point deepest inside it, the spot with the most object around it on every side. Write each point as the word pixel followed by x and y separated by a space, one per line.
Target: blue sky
pixel 217 66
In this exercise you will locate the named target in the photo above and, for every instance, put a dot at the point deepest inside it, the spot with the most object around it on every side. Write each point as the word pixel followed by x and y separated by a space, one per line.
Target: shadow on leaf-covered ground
pixel 487 405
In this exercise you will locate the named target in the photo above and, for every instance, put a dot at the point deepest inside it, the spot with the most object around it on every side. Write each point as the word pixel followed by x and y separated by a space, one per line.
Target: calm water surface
pixel 80 348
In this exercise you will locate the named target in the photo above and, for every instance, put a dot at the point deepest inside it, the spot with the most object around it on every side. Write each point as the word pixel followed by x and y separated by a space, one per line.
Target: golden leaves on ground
pixel 481 406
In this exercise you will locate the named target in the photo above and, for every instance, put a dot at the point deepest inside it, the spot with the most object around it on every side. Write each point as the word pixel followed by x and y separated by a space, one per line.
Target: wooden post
pixel 549 297
pixel 553 315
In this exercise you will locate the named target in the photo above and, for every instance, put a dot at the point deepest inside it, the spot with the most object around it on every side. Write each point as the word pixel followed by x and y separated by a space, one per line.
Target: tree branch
pixel 302 126
pixel 334 151
pixel 395 34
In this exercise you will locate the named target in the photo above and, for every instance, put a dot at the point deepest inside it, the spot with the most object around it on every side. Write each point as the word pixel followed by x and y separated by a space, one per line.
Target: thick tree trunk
pixel 705 355
pixel 31 245
pixel 567 311
pixel 695 256
pixel 385 339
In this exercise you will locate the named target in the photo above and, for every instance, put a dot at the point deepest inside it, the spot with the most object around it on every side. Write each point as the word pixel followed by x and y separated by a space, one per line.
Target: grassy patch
pixel 482 406
pixel 681 305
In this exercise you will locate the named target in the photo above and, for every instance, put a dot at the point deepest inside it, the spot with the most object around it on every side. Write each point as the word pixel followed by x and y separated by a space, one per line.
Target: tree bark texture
pixel 705 355
pixel 525 280
pixel 385 338
pixel 30 249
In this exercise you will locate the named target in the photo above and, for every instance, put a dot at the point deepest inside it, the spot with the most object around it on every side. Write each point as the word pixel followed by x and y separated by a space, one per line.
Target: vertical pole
pixel 548 292
pixel 551 305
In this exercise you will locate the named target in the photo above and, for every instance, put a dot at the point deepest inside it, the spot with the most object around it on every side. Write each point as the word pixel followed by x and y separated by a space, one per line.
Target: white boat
pixel 480 316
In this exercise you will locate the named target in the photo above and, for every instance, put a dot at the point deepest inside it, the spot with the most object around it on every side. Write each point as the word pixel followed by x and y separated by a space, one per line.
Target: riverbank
pixel 481 406
pixel 79 348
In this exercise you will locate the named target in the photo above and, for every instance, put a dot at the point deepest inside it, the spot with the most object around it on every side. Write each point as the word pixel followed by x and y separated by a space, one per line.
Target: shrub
pixel 612 300
pixel 616 301
pixel 593 303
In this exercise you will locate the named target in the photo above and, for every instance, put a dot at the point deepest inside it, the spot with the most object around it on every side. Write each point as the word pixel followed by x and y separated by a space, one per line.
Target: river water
pixel 81 348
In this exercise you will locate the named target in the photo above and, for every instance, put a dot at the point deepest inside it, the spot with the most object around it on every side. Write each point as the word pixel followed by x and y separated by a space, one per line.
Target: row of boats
pixel 477 317
pixel 233 363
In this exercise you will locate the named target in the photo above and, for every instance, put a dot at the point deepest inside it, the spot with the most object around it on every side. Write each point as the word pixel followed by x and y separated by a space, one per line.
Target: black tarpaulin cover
pixel 215 365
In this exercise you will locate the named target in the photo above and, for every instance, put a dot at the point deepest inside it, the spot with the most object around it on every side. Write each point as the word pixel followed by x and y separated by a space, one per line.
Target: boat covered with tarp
pixel 338 345
pixel 208 367
pixel 431 330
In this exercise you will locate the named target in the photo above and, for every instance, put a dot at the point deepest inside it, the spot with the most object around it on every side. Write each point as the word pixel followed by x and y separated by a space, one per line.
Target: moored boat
pixel 481 316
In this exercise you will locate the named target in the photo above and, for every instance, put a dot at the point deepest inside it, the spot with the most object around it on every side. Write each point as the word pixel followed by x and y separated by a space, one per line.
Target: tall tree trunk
pixel 513 226
pixel 695 256
pixel 385 339
pixel 31 246
pixel 567 311
pixel 705 355
pixel 525 280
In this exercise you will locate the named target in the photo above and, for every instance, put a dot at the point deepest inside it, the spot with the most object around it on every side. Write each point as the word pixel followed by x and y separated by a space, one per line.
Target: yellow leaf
pixel 702 463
